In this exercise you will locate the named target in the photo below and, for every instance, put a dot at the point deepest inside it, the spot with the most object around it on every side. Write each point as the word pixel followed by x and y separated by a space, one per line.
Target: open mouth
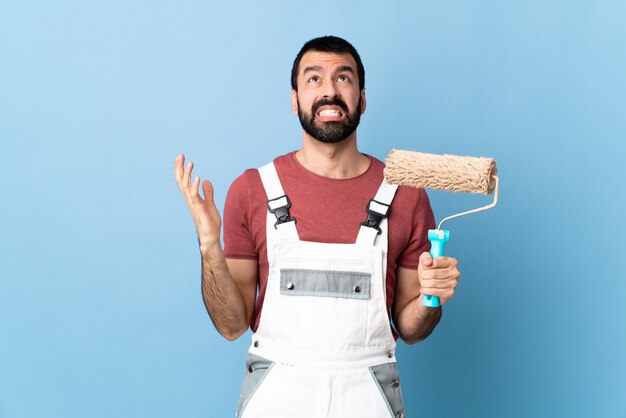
pixel 330 113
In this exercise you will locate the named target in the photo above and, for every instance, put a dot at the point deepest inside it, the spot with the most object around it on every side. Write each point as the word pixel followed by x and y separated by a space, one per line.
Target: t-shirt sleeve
pixel 423 220
pixel 238 242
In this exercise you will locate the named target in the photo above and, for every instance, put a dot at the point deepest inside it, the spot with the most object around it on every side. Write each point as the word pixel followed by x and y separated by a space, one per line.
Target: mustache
pixel 329 102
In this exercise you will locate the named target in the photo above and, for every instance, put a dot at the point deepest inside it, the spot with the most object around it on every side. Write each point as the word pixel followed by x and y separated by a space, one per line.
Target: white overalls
pixel 324 346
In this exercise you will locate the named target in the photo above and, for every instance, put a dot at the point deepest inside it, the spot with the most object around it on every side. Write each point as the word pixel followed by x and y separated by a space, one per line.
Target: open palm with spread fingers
pixel 204 213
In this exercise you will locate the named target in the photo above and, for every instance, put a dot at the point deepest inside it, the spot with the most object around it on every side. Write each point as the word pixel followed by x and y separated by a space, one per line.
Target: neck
pixel 337 161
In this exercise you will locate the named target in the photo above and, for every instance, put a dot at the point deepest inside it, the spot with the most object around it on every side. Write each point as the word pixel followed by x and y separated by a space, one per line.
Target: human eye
pixel 343 78
pixel 313 79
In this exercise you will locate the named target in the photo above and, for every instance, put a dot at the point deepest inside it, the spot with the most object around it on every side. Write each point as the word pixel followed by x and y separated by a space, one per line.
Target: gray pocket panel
pixel 388 380
pixel 333 283
pixel 256 370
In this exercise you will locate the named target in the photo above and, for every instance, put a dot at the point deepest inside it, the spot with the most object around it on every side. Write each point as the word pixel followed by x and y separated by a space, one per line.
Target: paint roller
pixel 442 172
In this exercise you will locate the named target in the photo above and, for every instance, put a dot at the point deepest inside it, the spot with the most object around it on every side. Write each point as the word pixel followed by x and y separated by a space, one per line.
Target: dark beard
pixel 333 131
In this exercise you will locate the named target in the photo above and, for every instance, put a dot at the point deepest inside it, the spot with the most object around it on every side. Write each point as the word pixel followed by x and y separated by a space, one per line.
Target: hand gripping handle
pixel 438 239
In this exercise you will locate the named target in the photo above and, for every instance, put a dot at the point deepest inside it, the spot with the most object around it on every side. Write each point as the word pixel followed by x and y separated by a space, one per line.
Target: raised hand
pixel 203 211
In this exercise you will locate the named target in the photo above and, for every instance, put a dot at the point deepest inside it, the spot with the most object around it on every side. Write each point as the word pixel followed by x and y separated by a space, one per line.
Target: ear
pixel 294 101
pixel 363 100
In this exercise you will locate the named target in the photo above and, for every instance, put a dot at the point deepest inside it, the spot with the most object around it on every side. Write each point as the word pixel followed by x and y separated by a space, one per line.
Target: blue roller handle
pixel 438 239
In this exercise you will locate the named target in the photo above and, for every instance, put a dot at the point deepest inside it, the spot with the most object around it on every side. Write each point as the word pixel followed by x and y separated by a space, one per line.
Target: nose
pixel 329 90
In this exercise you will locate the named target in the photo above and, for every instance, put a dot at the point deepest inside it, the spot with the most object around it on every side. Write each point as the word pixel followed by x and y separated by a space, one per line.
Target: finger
pixel 429 274
pixel 425 261
pixel 439 274
pixel 194 190
pixel 434 278
pixel 444 294
pixel 444 262
pixel 438 285
pixel 187 176
pixel 207 189
pixel 178 168
pixel 448 283
pixel 449 270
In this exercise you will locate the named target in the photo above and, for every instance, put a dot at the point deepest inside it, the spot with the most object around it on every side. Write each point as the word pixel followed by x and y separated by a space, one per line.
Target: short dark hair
pixel 332 44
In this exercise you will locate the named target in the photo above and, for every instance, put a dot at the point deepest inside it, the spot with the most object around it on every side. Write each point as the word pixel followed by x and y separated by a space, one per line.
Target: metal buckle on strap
pixel 376 212
pixel 280 207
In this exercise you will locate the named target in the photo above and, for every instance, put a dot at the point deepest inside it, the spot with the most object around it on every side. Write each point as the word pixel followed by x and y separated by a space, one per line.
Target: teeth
pixel 330 113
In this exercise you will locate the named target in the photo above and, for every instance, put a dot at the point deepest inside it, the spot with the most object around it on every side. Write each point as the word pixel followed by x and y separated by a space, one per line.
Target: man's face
pixel 328 102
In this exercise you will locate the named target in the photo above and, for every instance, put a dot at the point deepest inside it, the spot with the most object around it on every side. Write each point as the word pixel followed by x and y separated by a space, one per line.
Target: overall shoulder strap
pixel 280 225
pixel 374 229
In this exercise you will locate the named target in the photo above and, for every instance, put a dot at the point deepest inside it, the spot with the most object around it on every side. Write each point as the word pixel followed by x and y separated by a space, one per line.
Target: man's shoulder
pixel 246 183
pixel 250 179
pixel 376 165
pixel 246 177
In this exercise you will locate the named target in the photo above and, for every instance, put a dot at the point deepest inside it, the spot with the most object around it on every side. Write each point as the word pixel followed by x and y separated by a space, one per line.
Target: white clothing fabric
pixel 324 346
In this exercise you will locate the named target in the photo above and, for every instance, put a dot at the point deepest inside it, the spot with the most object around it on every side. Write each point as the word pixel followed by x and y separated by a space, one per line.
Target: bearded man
pixel 322 259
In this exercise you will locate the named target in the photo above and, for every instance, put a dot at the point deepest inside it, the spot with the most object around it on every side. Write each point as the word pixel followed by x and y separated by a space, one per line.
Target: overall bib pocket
pixel 324 309
pixel 329 283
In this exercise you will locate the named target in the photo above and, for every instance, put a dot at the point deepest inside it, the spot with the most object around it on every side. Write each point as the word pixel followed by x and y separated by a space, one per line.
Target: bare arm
pixel 228 286
pixel 438 277
pixel 228 291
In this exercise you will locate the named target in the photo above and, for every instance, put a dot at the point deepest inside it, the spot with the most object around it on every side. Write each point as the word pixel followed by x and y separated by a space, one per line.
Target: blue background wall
pixel 100 307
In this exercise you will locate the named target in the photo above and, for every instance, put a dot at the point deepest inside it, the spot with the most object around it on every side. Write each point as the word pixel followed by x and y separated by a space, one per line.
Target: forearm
pixel 222 298
pixel 415 321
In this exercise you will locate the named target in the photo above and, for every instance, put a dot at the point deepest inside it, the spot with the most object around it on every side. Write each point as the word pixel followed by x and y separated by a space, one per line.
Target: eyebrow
pixel 345 68
pixel 313 68
pixel 341 69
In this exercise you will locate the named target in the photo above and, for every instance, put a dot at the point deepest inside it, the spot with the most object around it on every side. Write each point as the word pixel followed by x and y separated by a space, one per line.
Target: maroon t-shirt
pixel 326 210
